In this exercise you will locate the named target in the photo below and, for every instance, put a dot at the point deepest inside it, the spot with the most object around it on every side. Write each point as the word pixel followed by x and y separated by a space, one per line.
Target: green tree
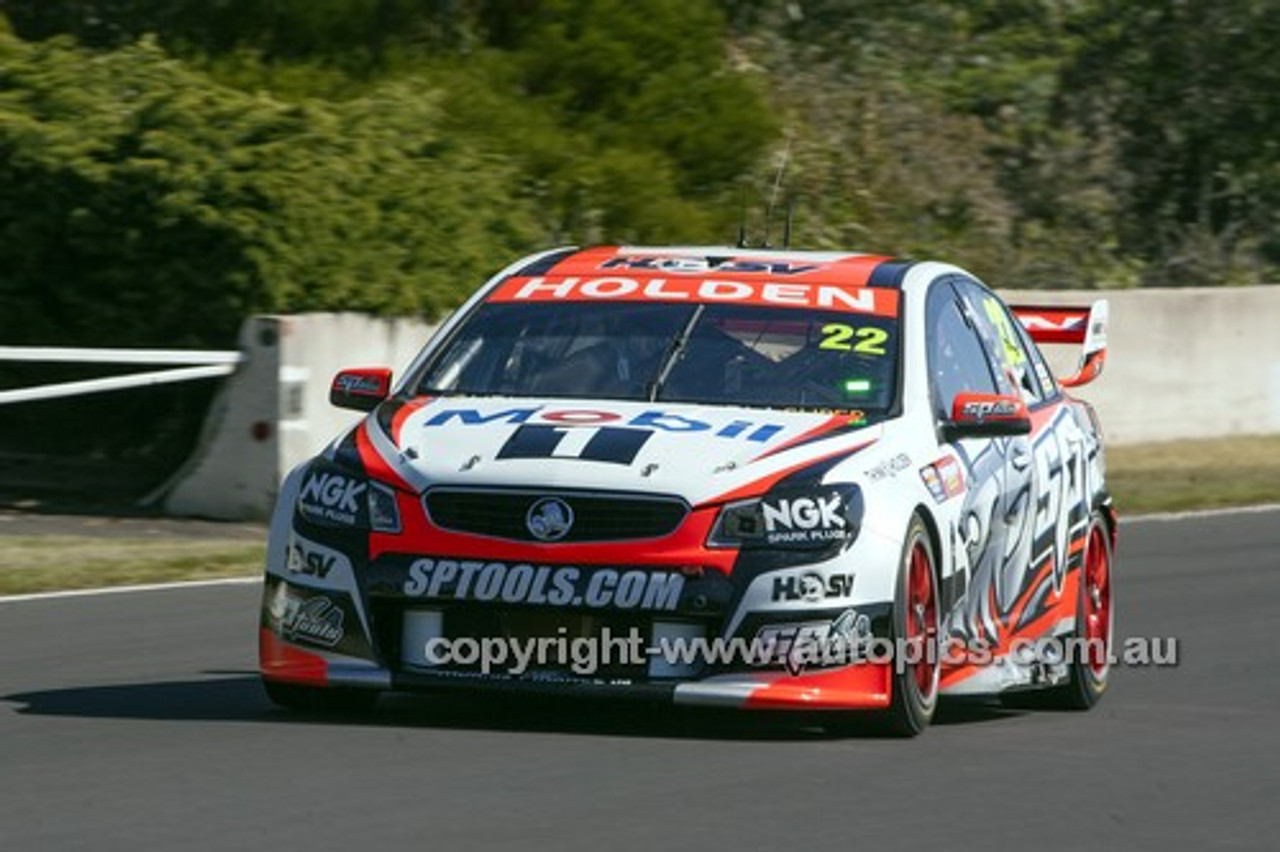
pixel 1187 91
pixel 142 203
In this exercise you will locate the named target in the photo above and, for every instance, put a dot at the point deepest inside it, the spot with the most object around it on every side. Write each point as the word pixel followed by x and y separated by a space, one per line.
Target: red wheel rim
pixel 1097 600
pixel 922 621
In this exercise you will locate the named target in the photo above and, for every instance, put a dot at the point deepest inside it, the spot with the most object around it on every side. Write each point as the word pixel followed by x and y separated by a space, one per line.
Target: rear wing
pixel 1060 324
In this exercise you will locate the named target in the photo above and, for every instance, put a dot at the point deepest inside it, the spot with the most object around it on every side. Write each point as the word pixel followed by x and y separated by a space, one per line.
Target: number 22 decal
pixel 870 340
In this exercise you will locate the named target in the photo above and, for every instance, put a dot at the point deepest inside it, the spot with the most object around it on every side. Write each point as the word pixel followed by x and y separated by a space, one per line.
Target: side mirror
pixel 360 389
pixel 986 415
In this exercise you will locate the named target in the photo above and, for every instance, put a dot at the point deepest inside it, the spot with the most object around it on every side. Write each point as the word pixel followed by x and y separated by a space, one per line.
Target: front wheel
pixel 916 664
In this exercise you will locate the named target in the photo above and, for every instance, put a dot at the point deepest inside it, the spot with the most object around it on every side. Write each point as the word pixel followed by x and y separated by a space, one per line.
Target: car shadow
pixel 239 697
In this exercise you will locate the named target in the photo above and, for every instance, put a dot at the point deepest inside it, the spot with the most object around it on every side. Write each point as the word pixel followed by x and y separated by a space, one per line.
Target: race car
pixel 749 478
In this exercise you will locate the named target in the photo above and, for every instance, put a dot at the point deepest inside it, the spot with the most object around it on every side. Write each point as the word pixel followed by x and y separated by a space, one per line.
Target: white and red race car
pixel 739 477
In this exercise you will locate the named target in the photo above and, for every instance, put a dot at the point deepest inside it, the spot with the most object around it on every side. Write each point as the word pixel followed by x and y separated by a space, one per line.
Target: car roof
pixel 842 268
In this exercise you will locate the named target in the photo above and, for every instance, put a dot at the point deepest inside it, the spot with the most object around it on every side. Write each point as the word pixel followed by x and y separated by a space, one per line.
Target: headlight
pixel 739 523
pixel 384 512
pixel 330 496
pixel 810 519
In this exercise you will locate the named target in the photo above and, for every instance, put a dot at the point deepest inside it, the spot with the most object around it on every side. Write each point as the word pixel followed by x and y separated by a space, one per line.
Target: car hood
pixel 700 453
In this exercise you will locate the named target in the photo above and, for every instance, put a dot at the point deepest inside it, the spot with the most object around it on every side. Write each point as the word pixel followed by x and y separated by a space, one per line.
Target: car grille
pixel 596 517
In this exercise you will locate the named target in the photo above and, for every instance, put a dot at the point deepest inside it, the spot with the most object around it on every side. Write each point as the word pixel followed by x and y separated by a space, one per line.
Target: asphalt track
pixel 133 721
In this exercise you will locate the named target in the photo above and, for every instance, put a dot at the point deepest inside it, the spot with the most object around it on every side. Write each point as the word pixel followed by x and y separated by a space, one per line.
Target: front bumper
pixel 325 623
pixel 289 652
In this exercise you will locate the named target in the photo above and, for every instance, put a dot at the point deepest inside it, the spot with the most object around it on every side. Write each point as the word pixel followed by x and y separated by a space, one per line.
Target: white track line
pixel 120 590
pixel 1201 513
pixel 246 581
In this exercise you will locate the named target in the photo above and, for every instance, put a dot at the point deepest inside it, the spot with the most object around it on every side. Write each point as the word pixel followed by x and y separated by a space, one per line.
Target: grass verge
pixel 44 563
pixel 1144 478
pixel 1182 475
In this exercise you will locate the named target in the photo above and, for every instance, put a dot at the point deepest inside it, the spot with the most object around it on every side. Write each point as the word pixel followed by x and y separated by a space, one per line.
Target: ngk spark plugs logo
pixel 804 520
pixel 333 498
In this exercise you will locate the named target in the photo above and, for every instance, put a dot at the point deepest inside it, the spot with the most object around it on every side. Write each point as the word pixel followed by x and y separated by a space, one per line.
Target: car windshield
pixel 716 354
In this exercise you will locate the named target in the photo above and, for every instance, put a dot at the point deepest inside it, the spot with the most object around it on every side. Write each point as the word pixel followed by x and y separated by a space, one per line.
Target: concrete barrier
pixel 313 347
pixel 1181 364
pixel 232 475
pixel 274 411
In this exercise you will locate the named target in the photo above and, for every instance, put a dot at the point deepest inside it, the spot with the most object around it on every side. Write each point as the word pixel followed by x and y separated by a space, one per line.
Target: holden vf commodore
pixel 748 478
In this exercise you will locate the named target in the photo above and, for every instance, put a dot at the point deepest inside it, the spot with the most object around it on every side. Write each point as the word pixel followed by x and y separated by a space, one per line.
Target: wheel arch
pixel 935 538
pixel 1104 506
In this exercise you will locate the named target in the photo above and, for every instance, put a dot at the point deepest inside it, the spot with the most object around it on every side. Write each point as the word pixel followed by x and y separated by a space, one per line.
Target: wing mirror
pixel 986 415
pixel 361 388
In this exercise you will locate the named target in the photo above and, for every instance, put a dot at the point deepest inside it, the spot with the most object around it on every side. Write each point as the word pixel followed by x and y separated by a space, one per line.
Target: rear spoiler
pixel 1060 324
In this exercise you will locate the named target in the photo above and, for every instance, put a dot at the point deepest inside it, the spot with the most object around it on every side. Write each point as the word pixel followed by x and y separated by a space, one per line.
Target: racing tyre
pixel 1090 667
pixel 320 701
pixel 915 630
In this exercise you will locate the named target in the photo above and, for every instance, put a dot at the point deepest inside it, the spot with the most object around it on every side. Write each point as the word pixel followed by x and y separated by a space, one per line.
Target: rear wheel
pixel 318 700
pixel 915 624
pixel 1090 666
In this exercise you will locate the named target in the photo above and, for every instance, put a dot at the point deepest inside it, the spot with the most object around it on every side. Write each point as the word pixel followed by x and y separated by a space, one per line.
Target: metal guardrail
pixel 196 364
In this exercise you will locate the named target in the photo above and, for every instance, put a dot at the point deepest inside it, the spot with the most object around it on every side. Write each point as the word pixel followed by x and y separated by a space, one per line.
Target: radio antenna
pixel 773 195
pixel 742 219
pixel 786 228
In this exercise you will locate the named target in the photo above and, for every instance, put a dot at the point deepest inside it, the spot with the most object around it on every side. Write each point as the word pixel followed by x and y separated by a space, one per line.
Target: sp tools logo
pixel 561 585
pixel 549 519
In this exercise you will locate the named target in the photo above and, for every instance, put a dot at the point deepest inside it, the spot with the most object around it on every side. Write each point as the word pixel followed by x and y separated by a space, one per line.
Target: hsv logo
pixel 309 562
pixel 331 497
pixel 785 294
pixel 812 587
pixel 313 564
pixel 706 264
